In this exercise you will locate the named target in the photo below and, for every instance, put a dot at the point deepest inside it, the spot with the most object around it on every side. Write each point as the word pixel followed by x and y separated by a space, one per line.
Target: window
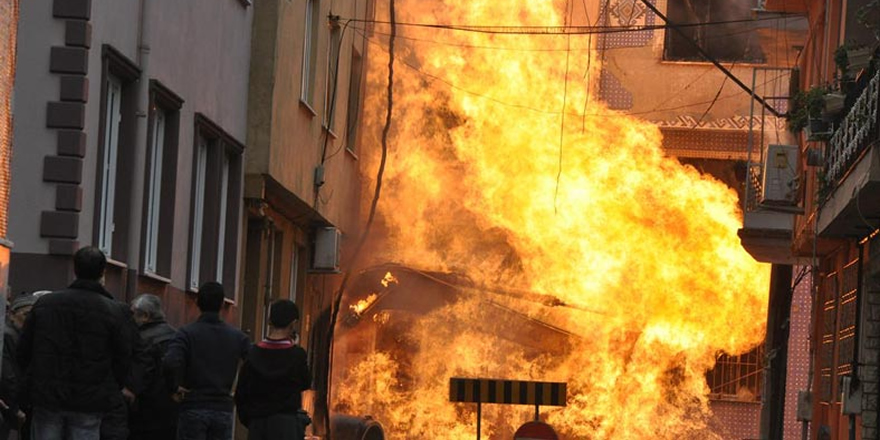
pixel 215 206
pixel 159 188
pixel 332 74
pixel 273 257
pixel 112 123
pixel 737 377
pixel 154 190
pixel 222 213
pixel 294 274
pixel 354 100
pixel 735 42
pixel 310 52
pixel 201 164
pixel 117 130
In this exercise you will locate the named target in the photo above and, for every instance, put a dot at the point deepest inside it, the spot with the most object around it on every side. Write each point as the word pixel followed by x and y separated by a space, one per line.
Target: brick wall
pixel 870 343
pixel 8 26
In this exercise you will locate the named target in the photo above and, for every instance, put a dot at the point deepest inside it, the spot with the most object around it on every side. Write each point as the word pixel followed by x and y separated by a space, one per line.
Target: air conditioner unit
pixel 780 185
pixel 326 252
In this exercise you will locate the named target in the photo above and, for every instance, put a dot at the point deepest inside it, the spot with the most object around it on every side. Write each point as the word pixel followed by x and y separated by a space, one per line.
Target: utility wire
pixel 562 112
pixel 710 58
pixel 433 77
pixel 567 30
pixel 334 314
pixel 519 49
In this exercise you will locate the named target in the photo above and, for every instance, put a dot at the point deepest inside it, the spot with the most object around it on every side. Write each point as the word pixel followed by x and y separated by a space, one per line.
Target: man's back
pixel 272 380
pixel 205 356
pixel 75 350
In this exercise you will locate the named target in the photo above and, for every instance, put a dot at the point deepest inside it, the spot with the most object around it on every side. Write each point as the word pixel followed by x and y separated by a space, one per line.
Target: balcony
pixel 852 175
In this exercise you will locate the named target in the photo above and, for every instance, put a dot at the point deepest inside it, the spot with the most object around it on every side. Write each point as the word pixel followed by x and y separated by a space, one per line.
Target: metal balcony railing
pixel 859 128
pixel 756 188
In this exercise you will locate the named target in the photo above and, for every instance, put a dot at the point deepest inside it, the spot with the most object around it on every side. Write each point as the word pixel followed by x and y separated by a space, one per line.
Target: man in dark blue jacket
pixel 75 352
pixel 201 364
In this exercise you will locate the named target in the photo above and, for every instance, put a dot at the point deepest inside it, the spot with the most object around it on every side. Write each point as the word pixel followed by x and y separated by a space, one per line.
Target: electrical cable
pixel 332 101
pixel 337 300
pixel 720 89
pixel 563 30
pixel 540 110
pixel 562 112
pixel 709 57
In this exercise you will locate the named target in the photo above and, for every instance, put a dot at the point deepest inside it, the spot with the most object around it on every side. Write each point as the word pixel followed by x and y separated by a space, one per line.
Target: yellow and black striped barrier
pixel 514 392
pixel 510 392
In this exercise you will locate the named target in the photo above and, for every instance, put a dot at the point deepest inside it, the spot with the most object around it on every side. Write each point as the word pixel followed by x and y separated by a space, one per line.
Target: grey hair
pixel 148 305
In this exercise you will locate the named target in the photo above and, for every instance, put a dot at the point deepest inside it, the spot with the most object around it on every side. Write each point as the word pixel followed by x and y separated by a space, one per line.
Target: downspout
pixel 827 41
pixel 856 337
pixel 142 102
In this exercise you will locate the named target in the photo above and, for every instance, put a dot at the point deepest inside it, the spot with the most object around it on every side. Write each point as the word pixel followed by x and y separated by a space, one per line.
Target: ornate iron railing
pixel 858 129
pixel 756 188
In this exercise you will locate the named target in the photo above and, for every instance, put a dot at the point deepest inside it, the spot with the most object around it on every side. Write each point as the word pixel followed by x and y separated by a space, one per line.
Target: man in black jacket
pixel 76 353
pixel 14 415
pixel 271 381
pixel 201 364
pixel 154 413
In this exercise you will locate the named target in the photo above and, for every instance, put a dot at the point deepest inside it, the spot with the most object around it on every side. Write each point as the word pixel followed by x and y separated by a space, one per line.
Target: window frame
pixel 112 121
pixel 111 227
pixel 160 187
pixel 309 71
pixel 673 41
pixel 200 170
pixel 355 100
pixel 334 54
pixel 212 148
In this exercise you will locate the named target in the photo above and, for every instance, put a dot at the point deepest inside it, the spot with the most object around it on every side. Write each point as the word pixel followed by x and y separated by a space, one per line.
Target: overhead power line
pixel 677 28
pixel 570 29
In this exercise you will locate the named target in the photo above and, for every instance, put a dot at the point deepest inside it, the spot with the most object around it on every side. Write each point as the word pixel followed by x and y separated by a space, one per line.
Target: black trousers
pixel 276 427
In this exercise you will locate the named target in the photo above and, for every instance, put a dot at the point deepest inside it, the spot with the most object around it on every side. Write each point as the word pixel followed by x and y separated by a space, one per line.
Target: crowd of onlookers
pixel 80 365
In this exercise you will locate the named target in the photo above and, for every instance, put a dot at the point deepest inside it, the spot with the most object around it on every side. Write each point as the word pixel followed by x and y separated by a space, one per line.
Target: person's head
pixel 147 308
pixel 21 307
pixel 88 263
pixel 283 314
pixel 210 297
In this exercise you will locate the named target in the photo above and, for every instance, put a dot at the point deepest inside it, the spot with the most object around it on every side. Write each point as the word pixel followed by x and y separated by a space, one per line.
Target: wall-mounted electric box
pixel 326 253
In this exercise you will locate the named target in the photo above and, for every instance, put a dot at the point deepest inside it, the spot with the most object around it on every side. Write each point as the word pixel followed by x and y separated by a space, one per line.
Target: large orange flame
pixel 484 179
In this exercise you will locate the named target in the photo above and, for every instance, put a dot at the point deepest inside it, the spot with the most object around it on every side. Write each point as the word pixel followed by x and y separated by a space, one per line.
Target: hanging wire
pixel 562 30
pixel 337 300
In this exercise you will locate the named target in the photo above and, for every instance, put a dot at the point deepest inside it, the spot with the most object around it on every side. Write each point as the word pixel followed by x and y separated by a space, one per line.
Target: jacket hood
pixel 273 363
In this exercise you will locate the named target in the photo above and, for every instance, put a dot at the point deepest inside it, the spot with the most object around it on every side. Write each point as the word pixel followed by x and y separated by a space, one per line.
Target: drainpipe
pixel 827 41
pixel 135 204
pixel 778 320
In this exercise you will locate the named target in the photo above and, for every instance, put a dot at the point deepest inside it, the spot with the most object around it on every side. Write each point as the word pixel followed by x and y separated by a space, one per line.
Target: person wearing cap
pixel 75 351
pixel 13 415
pixel 272 379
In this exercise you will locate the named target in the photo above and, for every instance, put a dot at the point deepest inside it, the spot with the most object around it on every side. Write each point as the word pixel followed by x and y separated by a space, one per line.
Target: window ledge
pixel 308 107
pixel 727 64
pixel 330 131
pixel 117 264
pixel 155 277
